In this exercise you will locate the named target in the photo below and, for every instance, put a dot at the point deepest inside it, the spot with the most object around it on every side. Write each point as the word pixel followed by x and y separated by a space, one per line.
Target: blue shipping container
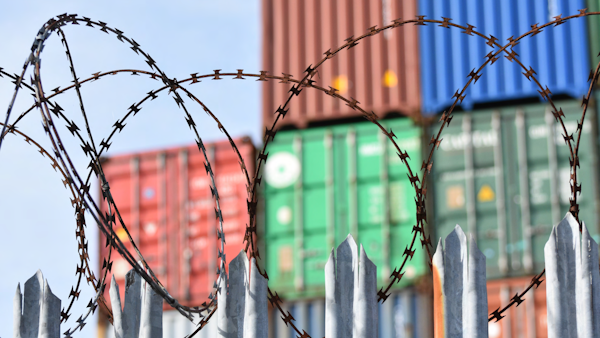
pixel 559 54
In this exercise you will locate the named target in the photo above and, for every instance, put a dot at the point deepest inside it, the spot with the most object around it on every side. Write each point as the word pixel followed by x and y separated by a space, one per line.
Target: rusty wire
pixel 83 201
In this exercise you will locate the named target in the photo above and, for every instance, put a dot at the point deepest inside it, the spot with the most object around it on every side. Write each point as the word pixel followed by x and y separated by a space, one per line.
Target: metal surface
pixel 593 25
pixel 377 204
pixel 520 139
pixel 460 296
pixel 382 73
pixel 558 55
pixel 36 312
pixel 528 320
pixel 164 197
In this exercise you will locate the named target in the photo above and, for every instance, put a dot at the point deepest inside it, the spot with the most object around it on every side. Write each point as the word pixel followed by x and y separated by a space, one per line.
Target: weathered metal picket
pixel 37 312
pixel 350 293
pixel 572 277
pixel 460 294
pixel 459 288
pixel 573 289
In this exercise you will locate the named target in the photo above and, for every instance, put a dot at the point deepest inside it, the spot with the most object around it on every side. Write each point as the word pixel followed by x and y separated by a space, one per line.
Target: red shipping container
pixel 527 320
pixel 381 72
pixel 165 201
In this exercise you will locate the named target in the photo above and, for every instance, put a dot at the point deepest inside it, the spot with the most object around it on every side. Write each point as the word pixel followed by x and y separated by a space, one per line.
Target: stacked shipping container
pixel 381 72
pixel 500 172
pixel 325 183
pixel 558 54
pixel 164 198
pixel 504 175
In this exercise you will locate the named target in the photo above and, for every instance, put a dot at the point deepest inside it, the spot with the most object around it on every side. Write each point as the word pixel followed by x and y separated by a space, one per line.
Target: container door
pixel 283 173
pixel 468 175
pixel 400 204
pixel 543 170
pixel 315 232
pixel 504 175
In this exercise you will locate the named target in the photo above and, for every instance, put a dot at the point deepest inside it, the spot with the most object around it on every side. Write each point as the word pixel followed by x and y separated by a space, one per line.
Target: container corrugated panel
pixel 528 320
pixel 381 72
pixel 504 175
pixel 593 23
pixel 404 314
pixel 166 203
pixel 559 54
pixel 325 183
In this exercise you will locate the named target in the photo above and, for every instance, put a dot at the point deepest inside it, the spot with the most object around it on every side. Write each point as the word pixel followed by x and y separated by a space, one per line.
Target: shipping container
pixel 527 320
pixel 325 183
pixel 504 176
pixel 593 22
pixel 165 200
pixel 559 54
pixel 406 314
pixel 381 72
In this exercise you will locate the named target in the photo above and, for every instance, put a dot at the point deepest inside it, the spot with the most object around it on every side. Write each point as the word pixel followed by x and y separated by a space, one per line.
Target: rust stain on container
pixel 381 72
pixel 165 200
pixel 438 304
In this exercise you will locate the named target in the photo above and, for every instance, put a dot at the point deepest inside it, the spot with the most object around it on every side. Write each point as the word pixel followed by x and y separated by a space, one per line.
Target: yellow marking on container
pixel 340 83
pixel 390 79
pixel 121 234
pixel 286 259
pixel 455 197
pixel 486 194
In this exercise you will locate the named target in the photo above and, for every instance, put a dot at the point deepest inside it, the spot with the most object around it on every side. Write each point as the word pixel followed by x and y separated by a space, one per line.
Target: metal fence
pixel 572 290
pixel 459 293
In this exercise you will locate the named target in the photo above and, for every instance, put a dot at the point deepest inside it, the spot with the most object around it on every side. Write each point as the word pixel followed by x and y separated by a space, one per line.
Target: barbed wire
pixel 83 201
pixel 95 164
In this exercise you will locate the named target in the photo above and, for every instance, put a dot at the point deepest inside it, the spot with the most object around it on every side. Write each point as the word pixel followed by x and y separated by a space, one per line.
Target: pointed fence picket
pixel 459 291
pixel 572 284
pixel 37 312
pixel 573 289
pixel 459 288
pixel 350 293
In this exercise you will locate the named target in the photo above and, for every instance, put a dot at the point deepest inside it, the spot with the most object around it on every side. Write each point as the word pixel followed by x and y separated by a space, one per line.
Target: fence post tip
pixel 459 231
pixel 350 240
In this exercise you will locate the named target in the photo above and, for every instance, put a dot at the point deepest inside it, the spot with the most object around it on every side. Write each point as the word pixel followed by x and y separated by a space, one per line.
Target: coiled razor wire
pixel 83 202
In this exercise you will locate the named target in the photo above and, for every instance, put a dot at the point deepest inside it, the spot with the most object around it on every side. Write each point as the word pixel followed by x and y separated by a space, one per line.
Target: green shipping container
pixel 504 176
pixel 325 183
pixel 593 22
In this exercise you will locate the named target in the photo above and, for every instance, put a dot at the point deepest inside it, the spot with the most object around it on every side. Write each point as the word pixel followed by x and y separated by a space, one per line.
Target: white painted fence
pixel 460 294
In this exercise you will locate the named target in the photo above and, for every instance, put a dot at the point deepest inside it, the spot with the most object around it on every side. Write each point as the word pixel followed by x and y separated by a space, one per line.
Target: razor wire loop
pixel 445 117
pixel 55 139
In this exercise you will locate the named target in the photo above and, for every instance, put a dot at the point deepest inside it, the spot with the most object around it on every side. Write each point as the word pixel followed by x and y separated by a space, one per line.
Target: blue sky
pixel 183 37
